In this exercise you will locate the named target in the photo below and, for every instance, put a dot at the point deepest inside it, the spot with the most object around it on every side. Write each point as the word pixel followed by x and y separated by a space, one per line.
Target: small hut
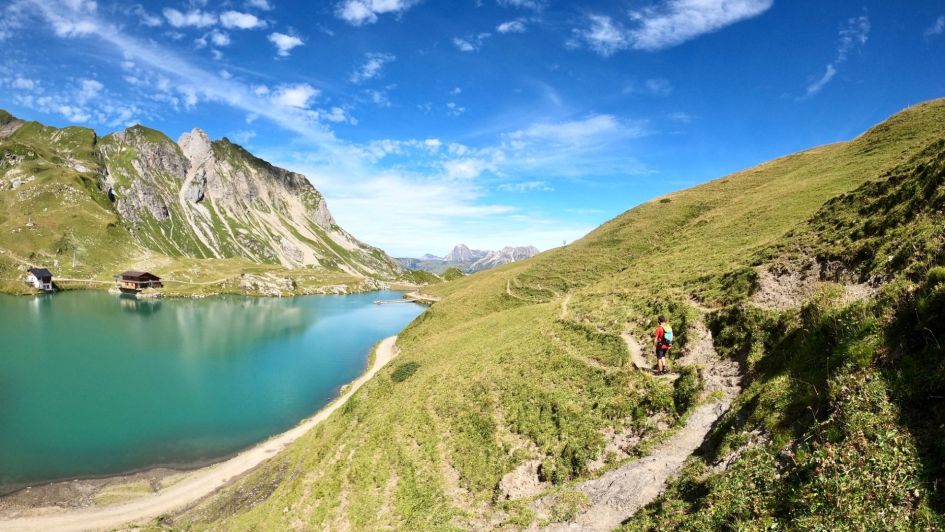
pixel 134 282
pixel 39 278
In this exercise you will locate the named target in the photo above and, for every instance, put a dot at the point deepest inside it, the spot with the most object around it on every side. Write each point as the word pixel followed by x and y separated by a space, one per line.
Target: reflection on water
pixel 131 303
pixel 214 326
pixel 93 384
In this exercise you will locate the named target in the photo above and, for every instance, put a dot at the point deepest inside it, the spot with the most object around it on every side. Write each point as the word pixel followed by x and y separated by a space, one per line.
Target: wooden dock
pixel 412 297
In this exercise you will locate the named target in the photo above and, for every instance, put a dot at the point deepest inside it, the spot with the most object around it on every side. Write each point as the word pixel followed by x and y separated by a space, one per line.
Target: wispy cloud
pixel 852 36
pixel 582 131
pixel 284 43
pixel 146 18
pixel 360 12
pixel 194 18
pixel 650 87
pixel 667 24
pixel 471 43
pixel 371 68
pixel 243 21
pixel 263 5
pixel 526 186
pixel 412 187
pixel 83 102
pixel 937 28
pixel 511 26
pixel 168 71
pixel 534 5
pixel 299 95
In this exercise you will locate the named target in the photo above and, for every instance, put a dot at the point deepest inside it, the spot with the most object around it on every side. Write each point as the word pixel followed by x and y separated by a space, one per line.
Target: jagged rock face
pixel 505 255
pixel 206 198
pixel 462 253
pixel 469 260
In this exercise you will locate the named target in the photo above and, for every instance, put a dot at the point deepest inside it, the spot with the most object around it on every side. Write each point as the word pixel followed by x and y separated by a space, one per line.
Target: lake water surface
pixel 93 384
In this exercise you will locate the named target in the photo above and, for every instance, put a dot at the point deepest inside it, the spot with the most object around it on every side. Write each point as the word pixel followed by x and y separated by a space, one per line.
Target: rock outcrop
pixel 469 260
pixel 195 197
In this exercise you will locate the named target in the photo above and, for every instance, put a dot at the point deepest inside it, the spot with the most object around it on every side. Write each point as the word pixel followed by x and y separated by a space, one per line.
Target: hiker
pixel 662 341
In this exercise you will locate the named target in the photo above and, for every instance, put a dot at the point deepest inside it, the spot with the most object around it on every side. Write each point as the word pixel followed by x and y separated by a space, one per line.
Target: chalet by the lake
pixel 40 278
pixel 134 282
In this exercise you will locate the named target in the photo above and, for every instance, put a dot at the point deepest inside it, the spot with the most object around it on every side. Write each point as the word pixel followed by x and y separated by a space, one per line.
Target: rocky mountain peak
pixel 462 253
pixel 196 146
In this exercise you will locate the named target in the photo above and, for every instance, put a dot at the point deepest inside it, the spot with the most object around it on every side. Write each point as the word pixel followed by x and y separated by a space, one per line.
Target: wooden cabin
pixel 134 282
pixel 39 278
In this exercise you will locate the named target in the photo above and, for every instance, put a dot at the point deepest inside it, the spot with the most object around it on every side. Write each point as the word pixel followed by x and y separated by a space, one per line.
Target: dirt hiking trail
pixel 197 485
pixel 618 494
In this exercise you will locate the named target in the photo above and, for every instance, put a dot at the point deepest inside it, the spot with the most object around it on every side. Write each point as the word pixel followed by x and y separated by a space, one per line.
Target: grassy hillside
pixel 61 207
pixel 524 364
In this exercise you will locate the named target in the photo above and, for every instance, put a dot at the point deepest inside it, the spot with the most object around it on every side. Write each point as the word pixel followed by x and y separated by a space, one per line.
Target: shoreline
pixel 172 489
pixel 77 287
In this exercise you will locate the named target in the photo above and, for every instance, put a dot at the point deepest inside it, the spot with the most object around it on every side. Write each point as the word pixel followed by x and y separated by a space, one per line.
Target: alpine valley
pixel 206 214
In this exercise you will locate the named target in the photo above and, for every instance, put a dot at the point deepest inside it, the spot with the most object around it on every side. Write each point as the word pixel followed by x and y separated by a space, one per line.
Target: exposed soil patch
pixel 791 288
pixel 618 494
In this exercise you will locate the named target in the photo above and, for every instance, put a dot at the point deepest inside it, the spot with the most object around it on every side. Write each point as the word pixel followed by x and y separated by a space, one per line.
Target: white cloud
pixel 681 118
pixel 454 109
pixel 84 102
pixel 471 43
pixel 220 38
pixel 284 43
pixel 12 18
pixel 244 137
pixel 74 114
pixel 337 115
pixel 264 5
pixel 650 87
pixel 511 26
pixel 242 21
pixel 936 29
pixel 360 12
pixel 603 35
pixel 88 89
pixel 193 18
pixel 815 86
pixel 23 83
pixel 852 37
pixel 445 191
pixel 378 97
pixel 580 131
pixel 298 95
pixel 667 24
pixel 525 186
pixel 371 68
pixel 146 19
pixel 534 5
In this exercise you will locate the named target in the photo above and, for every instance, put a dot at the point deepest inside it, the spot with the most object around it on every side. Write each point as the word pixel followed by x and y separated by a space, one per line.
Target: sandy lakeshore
pixel 195 485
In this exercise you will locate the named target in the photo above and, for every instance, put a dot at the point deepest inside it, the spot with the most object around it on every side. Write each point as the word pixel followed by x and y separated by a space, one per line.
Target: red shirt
pixel 660 335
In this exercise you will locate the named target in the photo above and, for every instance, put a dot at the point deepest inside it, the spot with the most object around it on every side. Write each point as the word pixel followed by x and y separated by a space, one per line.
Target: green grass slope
pixel 55 213
pixel 525 363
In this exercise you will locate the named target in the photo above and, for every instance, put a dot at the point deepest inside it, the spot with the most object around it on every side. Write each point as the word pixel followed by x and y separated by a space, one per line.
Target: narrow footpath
pixel 199 484
pixel 618 494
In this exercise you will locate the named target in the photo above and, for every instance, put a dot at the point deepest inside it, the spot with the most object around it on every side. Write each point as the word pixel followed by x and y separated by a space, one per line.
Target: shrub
pixel 687 388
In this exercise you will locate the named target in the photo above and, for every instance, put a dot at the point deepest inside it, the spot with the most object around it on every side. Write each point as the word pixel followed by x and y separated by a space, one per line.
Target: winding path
pixel 620 493
pixel 201 483
pixel 636 352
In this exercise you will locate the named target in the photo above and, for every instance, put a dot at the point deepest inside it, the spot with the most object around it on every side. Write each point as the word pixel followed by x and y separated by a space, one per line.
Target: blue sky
pixel 492 122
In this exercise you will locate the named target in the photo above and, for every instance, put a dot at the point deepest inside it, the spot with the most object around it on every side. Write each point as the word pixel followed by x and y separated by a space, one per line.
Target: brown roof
pixel 139 276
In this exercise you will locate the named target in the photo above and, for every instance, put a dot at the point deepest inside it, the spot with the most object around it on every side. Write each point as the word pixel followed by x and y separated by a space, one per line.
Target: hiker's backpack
pixel 667 335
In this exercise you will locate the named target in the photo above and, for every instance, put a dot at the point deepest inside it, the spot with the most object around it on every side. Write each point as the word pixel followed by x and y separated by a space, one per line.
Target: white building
pixel 39 278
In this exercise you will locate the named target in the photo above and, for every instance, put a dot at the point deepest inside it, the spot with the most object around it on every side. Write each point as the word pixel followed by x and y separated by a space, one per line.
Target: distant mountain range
pixel 469 260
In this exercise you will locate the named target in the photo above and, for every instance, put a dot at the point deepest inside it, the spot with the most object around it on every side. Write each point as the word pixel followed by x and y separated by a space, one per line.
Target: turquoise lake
pixel 93 384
